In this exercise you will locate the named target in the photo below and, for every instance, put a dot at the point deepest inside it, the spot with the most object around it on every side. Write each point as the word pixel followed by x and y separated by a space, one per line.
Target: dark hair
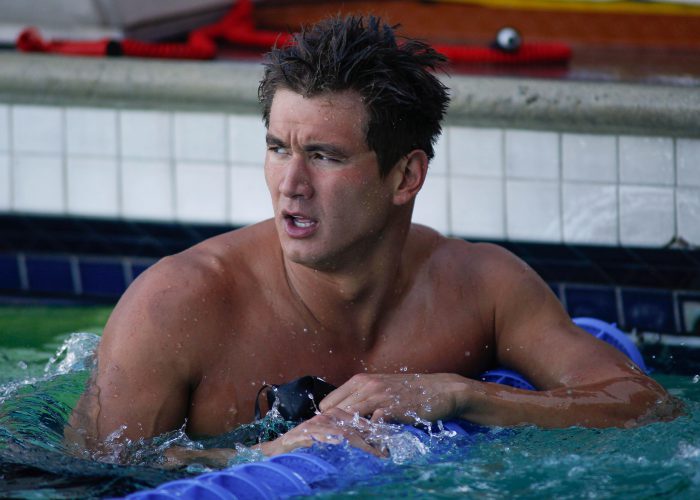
pixel 404 100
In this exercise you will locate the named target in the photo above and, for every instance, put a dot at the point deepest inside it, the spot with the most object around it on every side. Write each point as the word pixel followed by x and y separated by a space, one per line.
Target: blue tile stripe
pixel 9 273
pixel 50 274
pixel 107 277
pixel 69 275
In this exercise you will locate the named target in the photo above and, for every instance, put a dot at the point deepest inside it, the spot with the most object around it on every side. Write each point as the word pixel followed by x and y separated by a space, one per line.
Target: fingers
pixel 362 394
pixel 333 426
pixel 340 394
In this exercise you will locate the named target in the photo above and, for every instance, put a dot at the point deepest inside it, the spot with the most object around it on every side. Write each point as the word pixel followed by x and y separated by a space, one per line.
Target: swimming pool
pixel 43 369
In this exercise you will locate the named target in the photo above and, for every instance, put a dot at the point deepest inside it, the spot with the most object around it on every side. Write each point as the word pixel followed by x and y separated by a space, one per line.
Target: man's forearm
pixel 622 402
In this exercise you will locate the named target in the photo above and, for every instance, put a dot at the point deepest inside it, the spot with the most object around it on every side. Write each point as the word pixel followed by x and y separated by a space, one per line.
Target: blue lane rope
pixel 304 471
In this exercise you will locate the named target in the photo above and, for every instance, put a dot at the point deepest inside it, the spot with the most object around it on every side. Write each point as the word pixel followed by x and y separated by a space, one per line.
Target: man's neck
pixel 351 301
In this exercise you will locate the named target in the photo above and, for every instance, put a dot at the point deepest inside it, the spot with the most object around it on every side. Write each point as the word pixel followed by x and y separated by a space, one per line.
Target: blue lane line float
pixel 304 471
pixel 608 332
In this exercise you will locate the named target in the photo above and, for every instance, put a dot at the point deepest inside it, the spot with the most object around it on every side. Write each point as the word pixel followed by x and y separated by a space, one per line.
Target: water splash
pixel 76 354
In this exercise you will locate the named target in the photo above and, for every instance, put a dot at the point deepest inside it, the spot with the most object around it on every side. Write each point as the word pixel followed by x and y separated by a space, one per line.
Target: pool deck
pixel 230 86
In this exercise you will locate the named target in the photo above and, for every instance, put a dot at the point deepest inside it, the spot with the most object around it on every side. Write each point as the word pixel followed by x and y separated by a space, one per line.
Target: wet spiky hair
pixel 404 99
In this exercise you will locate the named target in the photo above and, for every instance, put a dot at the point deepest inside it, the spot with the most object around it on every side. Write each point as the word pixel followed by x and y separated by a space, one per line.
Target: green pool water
pixel 44 365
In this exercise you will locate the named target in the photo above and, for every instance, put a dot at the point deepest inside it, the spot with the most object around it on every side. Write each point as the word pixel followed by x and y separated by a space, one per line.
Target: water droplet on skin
pixel 467 354
pixel 330 351
pixel 306 330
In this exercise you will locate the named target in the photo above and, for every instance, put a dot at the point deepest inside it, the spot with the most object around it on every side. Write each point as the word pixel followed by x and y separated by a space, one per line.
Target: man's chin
pixel 308 258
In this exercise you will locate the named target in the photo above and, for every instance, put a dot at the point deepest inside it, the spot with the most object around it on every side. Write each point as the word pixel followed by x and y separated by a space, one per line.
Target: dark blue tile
pixel 9 273
pixel 689 312
pixel 650 310
pixel 102 277
pixel 593 302
pixel 50 274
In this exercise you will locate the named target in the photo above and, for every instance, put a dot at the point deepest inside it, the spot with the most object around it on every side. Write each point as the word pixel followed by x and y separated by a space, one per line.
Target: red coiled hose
pixel 237 28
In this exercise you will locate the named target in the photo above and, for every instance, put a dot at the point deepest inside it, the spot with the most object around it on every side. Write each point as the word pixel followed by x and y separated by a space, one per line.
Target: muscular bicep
pixel 536 337
pixel 140 387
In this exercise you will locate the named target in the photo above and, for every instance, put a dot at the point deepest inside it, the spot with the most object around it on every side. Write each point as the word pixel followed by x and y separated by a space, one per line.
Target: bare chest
pixel 276 348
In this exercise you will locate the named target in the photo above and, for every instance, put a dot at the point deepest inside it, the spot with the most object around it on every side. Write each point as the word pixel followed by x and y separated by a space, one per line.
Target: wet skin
pixel 341 285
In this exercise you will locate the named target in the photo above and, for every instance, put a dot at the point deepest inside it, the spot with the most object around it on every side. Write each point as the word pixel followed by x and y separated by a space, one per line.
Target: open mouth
pixel 299 226
pixel 301 222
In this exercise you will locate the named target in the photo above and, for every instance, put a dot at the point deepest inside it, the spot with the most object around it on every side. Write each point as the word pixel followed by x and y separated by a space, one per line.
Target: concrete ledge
pixel 594 107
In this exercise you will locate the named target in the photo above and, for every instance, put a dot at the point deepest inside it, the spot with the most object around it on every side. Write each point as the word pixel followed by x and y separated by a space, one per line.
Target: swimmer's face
pixel 329 200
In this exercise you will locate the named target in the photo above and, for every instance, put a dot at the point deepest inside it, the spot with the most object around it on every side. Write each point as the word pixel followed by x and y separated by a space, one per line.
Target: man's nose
pixel 296 180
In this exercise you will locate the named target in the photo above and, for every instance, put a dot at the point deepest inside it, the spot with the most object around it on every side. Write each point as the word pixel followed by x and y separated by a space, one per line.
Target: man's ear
pixel 409 174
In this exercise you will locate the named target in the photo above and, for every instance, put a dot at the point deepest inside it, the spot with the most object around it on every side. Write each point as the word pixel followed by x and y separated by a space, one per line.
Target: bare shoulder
pixel 464 259
pixel 185 292
pixel 210 267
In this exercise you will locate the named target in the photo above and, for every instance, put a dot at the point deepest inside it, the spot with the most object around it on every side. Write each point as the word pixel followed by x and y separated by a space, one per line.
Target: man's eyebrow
pixel 271 140
pixel 330 149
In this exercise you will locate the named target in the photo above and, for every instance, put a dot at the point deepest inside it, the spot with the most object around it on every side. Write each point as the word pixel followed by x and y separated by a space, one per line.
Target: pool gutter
pixel 231 86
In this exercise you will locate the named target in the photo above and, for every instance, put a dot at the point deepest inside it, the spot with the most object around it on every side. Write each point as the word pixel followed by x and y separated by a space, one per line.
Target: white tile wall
pixel 145 135
pixel 439 163
pixel 4 128
pixel 38 184
pixel 91 131
pixel 37 129
pixel 483 182
pixel 246 140
pixel 688 162
pixel 647 215
pixel 476 151
pixel 5 183
pixel 92 186
pixel 201 192
pixel 688 200
pixel 147 189
pixel 587 157
pixel 533 211
pixel 477 207
pixel 431 204
pixel 250 199
pixel 200 137
pixel 646 160
pixel 589 213
pixel 532 154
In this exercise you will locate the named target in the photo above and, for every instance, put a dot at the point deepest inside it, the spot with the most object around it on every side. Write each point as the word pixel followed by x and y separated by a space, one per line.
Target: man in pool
pixel 340 284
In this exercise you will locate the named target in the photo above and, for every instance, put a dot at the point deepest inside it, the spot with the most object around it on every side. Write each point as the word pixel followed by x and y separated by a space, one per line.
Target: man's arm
pixel 581 380
pixel 147 366
pixel 144 366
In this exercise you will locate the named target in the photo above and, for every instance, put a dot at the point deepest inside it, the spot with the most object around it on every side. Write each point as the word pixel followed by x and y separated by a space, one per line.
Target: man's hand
pixel 398 397
pixel 333 426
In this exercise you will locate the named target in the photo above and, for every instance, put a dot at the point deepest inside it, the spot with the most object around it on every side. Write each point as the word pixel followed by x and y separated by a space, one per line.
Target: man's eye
pixel 278 150
pixel 326 159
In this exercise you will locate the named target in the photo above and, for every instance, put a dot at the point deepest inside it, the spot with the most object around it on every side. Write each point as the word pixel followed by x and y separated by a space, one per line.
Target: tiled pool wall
pixel 496 183
pixel 557 163
pixel 484 182
pixel 106 278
